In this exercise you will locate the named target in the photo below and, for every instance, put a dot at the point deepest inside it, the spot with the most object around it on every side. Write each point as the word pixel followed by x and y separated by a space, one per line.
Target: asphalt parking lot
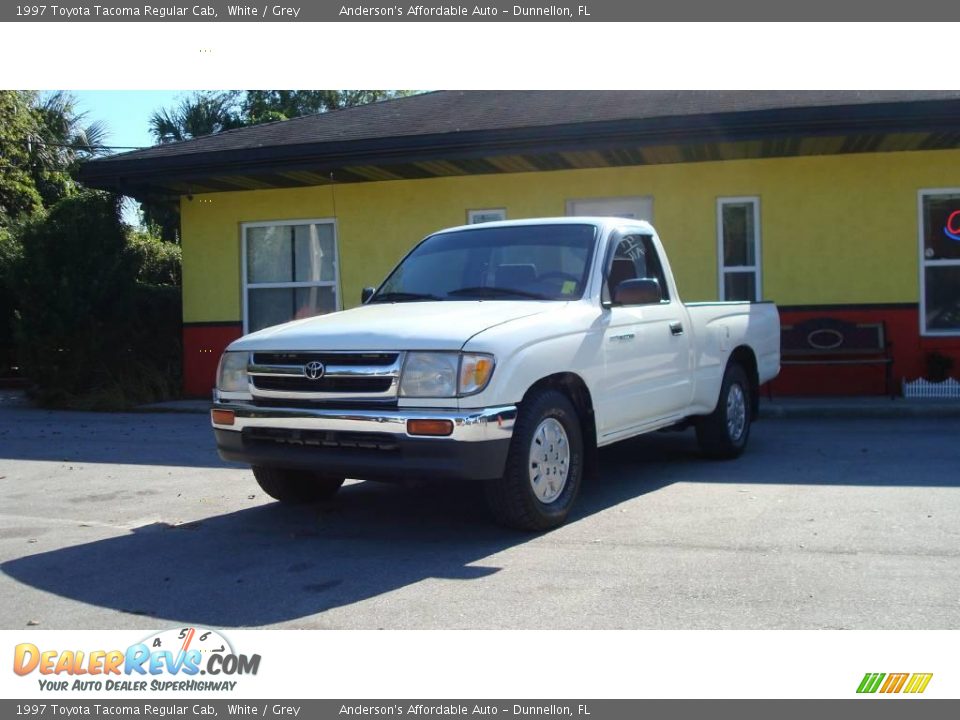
pixel 132 521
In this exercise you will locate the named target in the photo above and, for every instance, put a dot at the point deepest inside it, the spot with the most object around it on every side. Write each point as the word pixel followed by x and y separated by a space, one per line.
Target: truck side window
pixel 636 257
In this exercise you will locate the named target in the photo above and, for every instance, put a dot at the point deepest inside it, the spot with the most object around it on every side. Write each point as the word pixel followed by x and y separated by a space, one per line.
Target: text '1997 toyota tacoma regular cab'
pixel 505 352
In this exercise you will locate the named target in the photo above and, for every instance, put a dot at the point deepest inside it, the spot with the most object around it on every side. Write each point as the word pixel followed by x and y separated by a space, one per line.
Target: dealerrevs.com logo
pixel 170 660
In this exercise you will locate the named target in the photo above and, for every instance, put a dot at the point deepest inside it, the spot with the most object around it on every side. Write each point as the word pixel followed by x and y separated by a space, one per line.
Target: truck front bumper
pixel 369 444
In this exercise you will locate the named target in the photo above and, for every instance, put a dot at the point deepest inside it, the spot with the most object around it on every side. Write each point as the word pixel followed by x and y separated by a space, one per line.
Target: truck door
pixel 646 346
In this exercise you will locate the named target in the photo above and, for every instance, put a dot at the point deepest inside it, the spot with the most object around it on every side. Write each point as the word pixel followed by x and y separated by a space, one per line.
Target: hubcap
pixel 736 412
pixel 549 463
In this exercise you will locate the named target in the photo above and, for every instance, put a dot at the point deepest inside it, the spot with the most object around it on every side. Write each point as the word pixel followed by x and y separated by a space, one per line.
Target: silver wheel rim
pixel 736 412
pixel 549 463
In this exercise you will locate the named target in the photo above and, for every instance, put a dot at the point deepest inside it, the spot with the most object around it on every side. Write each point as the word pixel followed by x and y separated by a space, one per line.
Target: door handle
pixel 676 328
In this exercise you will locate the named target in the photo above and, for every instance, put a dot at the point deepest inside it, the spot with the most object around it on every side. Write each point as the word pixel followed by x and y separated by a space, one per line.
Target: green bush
pixel 99 308
pixel 159 261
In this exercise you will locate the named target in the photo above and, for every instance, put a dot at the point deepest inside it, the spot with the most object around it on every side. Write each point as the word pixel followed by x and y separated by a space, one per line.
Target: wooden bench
pixel 829 341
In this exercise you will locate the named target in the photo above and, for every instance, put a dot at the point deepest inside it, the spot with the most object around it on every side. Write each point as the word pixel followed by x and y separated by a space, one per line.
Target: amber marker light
pixel 435 428
pixel 222 417
pixel 475 370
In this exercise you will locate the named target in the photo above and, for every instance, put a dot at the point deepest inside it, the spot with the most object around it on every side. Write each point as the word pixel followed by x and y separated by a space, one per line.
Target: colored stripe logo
pixel 913 683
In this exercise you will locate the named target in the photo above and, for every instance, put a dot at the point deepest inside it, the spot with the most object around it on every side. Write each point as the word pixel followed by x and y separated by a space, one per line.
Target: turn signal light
pixel 436 428
pixel 222 417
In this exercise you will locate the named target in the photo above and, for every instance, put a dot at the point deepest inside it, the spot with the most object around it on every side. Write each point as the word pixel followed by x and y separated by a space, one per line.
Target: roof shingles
pixel 535 127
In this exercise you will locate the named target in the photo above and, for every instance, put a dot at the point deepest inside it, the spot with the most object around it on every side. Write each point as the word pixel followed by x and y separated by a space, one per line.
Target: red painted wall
pixel 909 353
pixel 202 346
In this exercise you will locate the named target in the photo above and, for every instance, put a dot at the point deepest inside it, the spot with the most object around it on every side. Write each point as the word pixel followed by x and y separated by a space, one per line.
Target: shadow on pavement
pixel 171 439
pixel 273 563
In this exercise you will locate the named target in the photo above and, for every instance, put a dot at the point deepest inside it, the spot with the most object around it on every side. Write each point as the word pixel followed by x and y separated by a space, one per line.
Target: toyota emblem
pixel 314 370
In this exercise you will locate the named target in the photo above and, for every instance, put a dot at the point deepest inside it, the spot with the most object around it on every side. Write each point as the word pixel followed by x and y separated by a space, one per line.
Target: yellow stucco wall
pixel 835 229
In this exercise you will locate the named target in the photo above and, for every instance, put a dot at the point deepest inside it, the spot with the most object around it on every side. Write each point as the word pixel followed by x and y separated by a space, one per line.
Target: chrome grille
pixel 325 384
pixel 370 377
pixel 327 358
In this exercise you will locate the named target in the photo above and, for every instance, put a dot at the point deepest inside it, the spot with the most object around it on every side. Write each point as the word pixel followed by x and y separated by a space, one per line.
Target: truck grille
pixel 343 359
pixel 324 384
pixel 344 376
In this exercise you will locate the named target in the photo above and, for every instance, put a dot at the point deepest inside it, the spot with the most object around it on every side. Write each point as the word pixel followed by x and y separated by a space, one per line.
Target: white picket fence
pixel 920 388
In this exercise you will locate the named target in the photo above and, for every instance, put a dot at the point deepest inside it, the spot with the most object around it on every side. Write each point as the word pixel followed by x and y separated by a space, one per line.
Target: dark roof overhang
pixel 863 127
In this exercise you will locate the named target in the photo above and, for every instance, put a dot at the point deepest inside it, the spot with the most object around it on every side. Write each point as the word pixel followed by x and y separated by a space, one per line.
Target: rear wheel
pixel 544 466
pixel 723 434
pixel 296 486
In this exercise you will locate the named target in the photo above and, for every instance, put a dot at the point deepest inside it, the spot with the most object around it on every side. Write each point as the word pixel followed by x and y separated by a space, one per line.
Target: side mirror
pixel 637 291
pixel 366 294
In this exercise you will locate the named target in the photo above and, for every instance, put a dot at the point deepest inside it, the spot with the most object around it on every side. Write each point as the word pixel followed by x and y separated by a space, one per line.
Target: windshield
pixel 541 262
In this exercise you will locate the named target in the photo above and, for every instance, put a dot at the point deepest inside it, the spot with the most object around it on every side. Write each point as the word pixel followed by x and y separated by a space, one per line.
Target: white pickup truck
pixel 506 352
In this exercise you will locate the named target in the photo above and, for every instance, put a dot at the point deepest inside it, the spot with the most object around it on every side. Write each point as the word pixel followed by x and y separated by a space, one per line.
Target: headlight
pixel 445 374
pixel 232 372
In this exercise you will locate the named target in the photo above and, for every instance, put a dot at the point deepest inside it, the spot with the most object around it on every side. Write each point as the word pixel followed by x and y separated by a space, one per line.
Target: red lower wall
pixel 203 344
pixel 910 351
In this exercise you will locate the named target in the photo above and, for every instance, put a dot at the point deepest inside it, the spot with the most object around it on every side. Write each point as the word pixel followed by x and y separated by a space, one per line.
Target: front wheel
pixel 723 434
pixel 544 467
pixel 296 486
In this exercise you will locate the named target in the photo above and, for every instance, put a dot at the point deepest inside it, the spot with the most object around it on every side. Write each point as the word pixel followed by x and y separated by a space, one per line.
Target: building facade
pixel 832 205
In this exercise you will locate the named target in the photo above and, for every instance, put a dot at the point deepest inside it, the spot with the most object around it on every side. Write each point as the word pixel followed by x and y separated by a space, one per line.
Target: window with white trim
pixel 475 217
pixel 290 271
pixel 939 261
pixel 738 248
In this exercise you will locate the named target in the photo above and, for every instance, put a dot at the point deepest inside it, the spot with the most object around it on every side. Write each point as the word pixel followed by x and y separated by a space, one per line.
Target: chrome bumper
pixel 472 425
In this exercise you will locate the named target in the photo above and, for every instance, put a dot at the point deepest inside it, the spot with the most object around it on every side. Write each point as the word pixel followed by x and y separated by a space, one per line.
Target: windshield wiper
pixel 402 297
pixel 487 291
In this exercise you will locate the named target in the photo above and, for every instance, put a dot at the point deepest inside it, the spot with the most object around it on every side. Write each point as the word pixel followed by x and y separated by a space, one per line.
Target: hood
pixel 443 325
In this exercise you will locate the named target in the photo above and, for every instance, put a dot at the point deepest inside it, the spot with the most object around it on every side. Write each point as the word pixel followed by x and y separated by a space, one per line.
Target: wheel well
pixel 573 386
pixel 744 357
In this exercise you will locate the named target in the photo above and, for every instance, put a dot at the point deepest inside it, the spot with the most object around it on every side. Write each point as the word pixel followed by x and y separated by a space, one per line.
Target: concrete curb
pixel 862 408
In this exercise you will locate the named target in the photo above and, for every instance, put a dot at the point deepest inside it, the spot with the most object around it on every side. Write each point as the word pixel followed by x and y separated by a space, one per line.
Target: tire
pixel 533 494
pixel 723 434
pixel 296 486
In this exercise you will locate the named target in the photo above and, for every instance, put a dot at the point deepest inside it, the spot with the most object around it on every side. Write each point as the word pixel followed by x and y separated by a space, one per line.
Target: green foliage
pixel 64 141
pixel 159 262
pixel 208 112
pixel 19 196
pixel 269 105
pixel 202 113
pixel 99 308
pixel 10 252
pixel 161 216
pixel 43 141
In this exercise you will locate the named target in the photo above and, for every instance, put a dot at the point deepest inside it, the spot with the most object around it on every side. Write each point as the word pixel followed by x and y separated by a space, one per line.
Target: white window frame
pixel 246 286
pixel 571 204
pixel 757 266
pixel 924 263
pixel 472 215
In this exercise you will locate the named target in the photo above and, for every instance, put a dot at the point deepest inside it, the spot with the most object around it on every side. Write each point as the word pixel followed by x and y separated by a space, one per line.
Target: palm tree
pixel 202 113
pixel 64 130
pixel 60 141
